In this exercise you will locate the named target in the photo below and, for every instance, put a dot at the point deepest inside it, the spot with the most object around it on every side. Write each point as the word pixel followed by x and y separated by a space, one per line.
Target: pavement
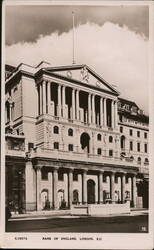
pixel 35 215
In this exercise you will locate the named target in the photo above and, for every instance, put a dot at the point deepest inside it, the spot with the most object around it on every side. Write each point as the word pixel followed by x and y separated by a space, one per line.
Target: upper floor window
pixel 110 138
pixel 131 145
pixel 44 174
pixel 60 176
pixel 75 176
pixel 99 151
pixel 139 159
pixel 99 137
pixel 70 147
pixel 130 132
pixel 138 146
pixel 56 145
pixel 70 132
pixel 138 133
pixel 121 129
pixel 145 135
pixel 146 161
pixel 110 152
pixel 56 130
pixel 145 148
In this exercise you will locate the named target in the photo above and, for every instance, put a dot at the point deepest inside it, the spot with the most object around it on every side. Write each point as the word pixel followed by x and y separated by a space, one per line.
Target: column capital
pixel 55 168
pixel 38 167
pixel 84 171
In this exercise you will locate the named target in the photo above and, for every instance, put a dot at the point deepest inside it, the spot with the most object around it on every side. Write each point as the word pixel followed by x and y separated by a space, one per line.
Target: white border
pixel 112 240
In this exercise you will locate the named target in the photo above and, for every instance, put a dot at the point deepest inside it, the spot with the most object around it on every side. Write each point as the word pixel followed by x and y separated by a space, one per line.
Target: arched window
pixel 75 196
pixel 110 138
pixel 70 132
pixel 139 159
pixel 132 158
pixel 146 161
pixel 99 137
pixel 56 130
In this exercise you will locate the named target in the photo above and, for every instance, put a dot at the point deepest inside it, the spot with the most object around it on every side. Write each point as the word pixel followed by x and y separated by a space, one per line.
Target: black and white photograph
pixel 75 113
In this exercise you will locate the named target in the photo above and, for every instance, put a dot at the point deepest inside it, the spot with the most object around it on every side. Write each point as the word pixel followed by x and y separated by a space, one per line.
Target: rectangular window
pixel 138 146
pixel 75 177
pixel 145 135
pixel 56 145
pixel 70 147
pixel 145 148
pixel 130 132
pixel 44 174
pixel 111 152
pixel 60 176
pixel 121 129
pixel 138 133
pixel 131 145
pixel 99 151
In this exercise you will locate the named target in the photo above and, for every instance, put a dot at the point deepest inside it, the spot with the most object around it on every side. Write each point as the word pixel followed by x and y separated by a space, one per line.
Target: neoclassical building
pixel 68 140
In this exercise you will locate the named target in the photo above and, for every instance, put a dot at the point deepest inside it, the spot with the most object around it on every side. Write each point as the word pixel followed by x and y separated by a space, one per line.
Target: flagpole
pixel 73 37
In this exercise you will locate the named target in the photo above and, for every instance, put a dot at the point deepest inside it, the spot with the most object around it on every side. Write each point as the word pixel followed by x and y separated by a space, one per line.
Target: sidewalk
pixel 67 214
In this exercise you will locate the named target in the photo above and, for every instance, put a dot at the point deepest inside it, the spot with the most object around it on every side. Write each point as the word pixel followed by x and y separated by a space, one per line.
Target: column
pixel 116 114
pixel 44 97
pixel 104 104
pixel 134 191
pixel 112 183
pixel 49 97
pixel 101 111
pixel 38 188
pixel 41 103
pixel 59 100
pixel 50 189
pixel 63 100
pixel 77 104
pixel 30 186
pixel 55 193
pixel 112 113
pixel 73 104
pixel 70 187
pixel 89 108
pixel 123 186
pixel 84 187
pixel 93 110
pixel 10 106
pixel 100 187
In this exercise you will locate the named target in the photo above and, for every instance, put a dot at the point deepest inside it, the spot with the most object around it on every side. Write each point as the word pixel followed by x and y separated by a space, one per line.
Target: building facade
pixel 68 140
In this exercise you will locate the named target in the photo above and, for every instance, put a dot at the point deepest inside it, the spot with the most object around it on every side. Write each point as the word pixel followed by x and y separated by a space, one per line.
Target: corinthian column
pixel 63 100
pixel 44 97
pixel 104 101
pixel 73 104
pixel 112 112
pixel 89 108
pixel 59 100
pixel 93 110
pixel 38 188
pixel 101 111
pixel 49 96
pixel 77 104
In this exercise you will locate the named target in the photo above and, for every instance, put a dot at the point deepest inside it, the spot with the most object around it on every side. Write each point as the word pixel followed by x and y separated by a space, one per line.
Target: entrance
pixel 90 192
pixel 84 140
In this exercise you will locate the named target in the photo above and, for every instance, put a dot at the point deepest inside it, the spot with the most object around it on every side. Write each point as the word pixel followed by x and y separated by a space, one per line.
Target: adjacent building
pixel 70 139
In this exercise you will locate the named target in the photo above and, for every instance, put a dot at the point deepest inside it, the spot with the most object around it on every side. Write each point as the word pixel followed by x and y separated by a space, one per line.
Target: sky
pixel 112 40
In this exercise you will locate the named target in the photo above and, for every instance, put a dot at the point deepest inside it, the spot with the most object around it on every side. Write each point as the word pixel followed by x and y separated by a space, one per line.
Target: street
pixel 116 224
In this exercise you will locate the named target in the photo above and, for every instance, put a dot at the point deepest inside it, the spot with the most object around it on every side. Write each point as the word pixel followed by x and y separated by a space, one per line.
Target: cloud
pixel 27 23
pixel 119 55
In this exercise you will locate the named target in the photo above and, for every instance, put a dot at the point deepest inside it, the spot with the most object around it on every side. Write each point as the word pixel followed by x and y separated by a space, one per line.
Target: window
pixel 70 132
pixel 145 148
pixel 56 130
pixel 145 135
pixel 138 146
pixel 139 160
pixel 110 139
pixel 44 174
pixel 130 132
pixel 60 176
pixel 131 158
pixel 111 152
pixel 99 137
pixel 99 151
pixel 138 133
pixel 121 129
pixel 146 161
pixel 75 177
pixel 70 147
pixel 56 145
pixel 131 145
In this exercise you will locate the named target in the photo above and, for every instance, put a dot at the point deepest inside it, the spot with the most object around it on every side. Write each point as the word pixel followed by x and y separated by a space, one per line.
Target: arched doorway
pixel 44 198
pixel 85 141
pixel 75 196
pixel 90 191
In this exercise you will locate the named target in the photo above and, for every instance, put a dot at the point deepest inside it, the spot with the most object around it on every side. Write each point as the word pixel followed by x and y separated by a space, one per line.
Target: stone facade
pixel 68 140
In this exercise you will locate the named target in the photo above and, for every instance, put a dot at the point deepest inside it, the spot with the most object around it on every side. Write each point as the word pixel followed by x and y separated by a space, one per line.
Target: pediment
pixel 83 74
